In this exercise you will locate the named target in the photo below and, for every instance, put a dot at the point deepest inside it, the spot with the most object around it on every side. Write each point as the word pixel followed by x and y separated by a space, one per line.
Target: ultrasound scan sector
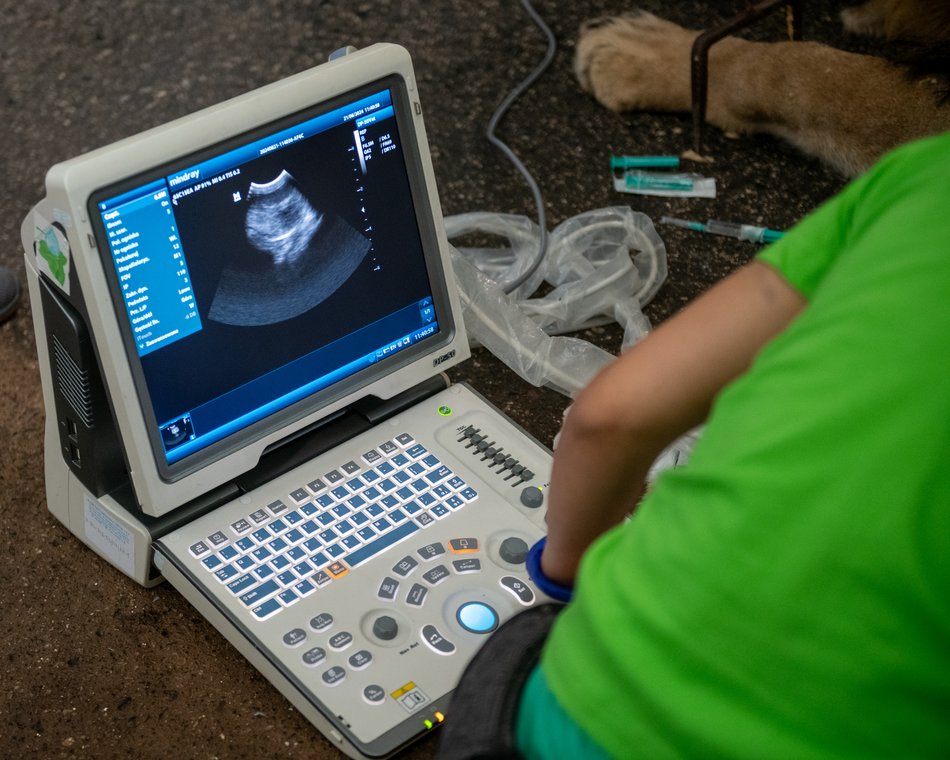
pixel 298 256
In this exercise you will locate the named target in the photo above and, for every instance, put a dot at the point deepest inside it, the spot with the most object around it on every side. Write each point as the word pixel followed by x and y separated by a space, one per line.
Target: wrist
pixel 559 591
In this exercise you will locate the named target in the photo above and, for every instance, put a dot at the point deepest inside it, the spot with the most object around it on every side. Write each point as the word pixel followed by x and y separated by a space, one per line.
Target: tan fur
pixel 845 108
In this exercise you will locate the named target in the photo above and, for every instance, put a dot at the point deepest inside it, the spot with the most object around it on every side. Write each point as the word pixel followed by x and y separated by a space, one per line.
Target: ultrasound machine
pixel 243 321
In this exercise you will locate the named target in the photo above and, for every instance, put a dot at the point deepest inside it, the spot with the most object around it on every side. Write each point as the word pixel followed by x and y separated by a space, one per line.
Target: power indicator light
pixel 444 411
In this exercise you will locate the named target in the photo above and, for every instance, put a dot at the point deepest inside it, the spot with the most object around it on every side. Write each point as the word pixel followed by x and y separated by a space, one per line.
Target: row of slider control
pixel 495 455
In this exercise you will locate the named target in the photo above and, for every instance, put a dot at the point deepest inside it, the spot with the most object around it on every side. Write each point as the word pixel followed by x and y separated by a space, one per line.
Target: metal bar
pixel 699 57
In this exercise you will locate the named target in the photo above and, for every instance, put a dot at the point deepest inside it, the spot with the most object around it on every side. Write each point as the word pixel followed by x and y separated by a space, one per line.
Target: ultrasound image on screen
pixel 298 256
pixel 287 253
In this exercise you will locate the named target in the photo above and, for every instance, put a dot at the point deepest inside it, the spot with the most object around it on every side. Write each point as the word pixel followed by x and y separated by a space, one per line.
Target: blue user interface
pixel 257 275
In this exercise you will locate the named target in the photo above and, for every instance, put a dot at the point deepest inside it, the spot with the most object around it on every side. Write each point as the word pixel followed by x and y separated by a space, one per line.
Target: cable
pixel 502 109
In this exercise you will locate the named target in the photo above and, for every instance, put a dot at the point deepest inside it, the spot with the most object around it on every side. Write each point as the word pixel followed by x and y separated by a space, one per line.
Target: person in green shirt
pixel 787 592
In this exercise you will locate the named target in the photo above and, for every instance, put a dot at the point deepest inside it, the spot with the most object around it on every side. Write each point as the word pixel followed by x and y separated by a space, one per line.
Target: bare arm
pixel 638 405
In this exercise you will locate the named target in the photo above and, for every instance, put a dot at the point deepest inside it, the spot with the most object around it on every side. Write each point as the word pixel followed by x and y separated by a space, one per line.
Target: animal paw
pixel 868 19
pixel 636 61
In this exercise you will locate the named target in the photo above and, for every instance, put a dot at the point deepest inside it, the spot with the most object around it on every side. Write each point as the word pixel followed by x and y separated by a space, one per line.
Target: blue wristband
pixel 553 589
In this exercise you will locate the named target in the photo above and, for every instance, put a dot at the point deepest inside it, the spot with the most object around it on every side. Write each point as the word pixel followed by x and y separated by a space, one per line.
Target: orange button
pixel 463 545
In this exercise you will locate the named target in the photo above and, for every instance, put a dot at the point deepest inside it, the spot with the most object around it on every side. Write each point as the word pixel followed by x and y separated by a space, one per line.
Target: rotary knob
pixel 385 628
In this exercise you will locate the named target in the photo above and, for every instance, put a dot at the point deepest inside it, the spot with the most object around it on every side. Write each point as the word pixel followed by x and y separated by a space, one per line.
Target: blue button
pixel 477 617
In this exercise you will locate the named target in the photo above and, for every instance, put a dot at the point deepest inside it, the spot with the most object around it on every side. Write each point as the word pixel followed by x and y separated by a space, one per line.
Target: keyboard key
pixel 241 584
pixel 467 565
pixel 377 545
pixel 314 656
pixel 431 551
pixel 334 675
pixel 436 575
pixel 360 660
pixel 417 595
pixel 341 640
pixel 226 573
pixel 277 507
pixel 388 588
pixel 321 622
pixel 198 548
pixel 240 527
pixel 265 610
pixel 259 593
pixel 262 535
pixel 366 533
pixel 304 588
pixel 463 545
pixel 416 451
pixel 405 566
pixel 217 539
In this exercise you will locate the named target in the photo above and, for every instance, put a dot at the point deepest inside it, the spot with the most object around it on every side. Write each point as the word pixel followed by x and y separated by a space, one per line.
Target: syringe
pixel 748 232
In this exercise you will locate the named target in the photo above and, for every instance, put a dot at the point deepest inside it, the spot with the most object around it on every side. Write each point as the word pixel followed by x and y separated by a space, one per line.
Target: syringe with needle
pixel 748 232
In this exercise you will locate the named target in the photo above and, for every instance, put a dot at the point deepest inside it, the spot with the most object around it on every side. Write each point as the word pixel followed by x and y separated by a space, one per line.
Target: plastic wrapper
pixel 602 266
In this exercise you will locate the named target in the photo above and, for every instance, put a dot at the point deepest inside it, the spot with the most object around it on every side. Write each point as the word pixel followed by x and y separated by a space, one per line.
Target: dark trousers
pixel 481 718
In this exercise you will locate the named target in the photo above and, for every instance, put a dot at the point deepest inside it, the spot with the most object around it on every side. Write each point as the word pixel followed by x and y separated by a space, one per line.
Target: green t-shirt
pixel 787 593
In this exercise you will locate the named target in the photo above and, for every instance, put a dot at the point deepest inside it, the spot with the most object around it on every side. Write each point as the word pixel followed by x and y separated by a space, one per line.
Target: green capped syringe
pixel 748 232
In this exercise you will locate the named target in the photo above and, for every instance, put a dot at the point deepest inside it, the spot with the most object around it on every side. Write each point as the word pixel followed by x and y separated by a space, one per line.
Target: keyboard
pixel 363 581
pixel 284 551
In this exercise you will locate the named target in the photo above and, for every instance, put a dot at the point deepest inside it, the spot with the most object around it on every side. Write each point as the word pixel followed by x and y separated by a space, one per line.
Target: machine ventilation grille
pixel 73 383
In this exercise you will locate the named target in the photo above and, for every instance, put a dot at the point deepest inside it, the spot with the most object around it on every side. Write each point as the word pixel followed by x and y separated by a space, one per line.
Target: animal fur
pixel 845 108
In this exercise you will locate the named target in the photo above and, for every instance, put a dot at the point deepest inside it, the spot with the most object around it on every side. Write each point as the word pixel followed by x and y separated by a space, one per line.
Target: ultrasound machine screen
pixel 241 275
